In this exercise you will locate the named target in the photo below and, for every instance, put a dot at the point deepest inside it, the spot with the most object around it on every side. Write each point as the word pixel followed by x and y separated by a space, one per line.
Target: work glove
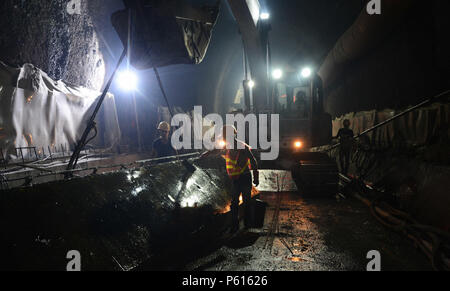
pixel 256 178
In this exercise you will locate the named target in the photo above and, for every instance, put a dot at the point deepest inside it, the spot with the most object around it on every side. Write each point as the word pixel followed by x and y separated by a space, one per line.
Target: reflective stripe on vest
pixel 233 169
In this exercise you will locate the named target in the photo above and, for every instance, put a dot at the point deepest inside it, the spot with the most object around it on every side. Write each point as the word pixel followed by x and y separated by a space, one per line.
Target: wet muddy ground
pixel 309 234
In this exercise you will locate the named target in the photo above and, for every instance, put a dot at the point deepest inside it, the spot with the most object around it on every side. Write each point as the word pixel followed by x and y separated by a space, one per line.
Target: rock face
pixel 57 36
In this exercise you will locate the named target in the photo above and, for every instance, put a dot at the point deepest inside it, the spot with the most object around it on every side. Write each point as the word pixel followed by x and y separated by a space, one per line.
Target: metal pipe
pixel 36 168
pixel 91 123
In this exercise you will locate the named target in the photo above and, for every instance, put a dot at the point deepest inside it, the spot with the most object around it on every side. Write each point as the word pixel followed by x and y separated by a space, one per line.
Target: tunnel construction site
pixel 79 169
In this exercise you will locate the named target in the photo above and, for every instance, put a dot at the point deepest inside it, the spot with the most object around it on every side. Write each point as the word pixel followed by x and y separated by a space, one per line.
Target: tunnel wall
pixel 409 63
pixel 374 73
pixel 414 181
pixel 62 42
pixel 408 158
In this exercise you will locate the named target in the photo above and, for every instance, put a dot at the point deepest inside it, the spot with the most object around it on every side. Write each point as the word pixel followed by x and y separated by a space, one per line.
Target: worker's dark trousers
pixel 242 185
pixel 344 158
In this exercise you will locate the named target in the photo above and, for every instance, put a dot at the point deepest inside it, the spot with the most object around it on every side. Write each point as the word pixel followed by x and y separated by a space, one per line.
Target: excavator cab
pixel 303 121
pixel 303 125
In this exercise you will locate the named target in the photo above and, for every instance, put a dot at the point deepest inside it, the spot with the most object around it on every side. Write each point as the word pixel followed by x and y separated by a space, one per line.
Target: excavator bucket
pixel 163 33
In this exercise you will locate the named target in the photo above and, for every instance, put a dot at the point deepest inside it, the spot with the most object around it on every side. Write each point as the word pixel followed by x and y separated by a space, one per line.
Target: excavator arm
pixel 246 13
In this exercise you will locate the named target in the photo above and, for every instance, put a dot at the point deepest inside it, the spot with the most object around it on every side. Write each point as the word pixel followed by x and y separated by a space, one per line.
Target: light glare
pixel 306 73
pixel 264 16
pixel 127 80
pixel 277 74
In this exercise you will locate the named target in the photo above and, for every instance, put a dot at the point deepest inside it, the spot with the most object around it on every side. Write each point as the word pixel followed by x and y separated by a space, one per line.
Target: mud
pixel 313 235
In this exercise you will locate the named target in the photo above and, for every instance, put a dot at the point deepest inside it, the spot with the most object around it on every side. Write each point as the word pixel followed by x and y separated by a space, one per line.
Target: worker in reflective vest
pixel 239 162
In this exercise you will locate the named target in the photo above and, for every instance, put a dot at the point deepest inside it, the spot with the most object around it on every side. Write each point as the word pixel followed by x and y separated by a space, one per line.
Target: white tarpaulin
pixel 36 111
pixel 415 128
pixel 276 181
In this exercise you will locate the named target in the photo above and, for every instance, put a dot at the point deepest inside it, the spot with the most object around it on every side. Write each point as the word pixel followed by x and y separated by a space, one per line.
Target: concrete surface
pixel 311 235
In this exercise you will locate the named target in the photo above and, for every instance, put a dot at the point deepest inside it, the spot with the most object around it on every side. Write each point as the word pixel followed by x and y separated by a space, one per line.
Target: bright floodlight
pixel 277 74
pixel 306 73
pixel 251 84
pixel 264 16
pixel 127 80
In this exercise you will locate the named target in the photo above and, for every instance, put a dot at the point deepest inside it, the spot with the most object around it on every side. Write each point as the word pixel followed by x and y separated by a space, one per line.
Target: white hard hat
pixel 164 126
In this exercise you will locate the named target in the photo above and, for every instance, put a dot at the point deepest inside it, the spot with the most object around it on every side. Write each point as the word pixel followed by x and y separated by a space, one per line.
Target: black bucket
pixel 259 213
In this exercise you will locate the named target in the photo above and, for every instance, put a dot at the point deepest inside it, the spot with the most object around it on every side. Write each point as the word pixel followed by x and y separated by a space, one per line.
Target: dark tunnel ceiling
pixel 303 31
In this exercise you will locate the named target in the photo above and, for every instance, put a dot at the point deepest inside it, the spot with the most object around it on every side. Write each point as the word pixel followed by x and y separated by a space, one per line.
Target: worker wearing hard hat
pixel 162 146
pixel 239 163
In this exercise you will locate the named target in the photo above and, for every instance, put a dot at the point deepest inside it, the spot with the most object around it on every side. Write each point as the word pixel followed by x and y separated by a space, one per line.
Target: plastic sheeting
pixel 36 111
pixel 276 181
pixel 415 128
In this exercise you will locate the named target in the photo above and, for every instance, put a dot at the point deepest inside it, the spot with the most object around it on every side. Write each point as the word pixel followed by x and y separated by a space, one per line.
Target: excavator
pixel 178 32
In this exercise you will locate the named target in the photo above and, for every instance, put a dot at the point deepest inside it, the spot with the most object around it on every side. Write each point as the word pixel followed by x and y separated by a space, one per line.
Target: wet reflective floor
pixel 309 234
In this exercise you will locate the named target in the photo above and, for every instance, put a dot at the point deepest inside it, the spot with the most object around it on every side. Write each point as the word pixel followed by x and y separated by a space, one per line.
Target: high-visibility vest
pixel 234 169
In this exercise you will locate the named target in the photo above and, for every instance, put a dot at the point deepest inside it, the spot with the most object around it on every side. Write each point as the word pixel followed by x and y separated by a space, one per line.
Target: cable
pixel 432 241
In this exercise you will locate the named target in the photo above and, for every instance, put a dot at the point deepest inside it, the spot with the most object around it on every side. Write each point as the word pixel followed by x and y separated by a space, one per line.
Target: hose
pixel 432 241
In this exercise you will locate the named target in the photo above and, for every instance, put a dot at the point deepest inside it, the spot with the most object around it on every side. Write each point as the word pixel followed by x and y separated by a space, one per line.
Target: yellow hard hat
pixel 164 126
